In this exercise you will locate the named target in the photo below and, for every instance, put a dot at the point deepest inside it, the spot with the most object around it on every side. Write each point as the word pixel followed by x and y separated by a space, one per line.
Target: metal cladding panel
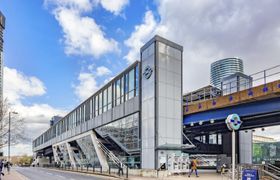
pixel 247 109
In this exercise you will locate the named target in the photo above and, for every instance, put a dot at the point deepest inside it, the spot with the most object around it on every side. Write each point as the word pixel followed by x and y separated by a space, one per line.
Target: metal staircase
pixel 110 154
pixel 271 172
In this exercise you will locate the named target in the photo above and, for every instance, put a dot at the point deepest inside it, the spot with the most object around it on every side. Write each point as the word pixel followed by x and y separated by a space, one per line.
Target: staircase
pixel 271 172
pixel 110 155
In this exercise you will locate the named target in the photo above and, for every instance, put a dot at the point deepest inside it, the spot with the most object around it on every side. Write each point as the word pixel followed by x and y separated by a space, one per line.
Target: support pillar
pixel 100 154
pixel 70 153
pixel 55 155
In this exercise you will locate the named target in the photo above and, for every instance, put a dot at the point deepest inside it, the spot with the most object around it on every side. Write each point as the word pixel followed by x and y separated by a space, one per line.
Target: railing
pixel 253 80
pixel 111 155
pixel 89 169
pixel 238 84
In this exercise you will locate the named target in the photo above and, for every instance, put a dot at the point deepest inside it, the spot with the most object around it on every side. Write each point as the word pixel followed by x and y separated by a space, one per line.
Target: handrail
pixel 111 155
pixel 274 167
pixel 270 174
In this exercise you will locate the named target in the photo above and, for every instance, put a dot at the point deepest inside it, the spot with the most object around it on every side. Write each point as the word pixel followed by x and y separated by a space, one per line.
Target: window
pixel 137 80
pixel 213 139
pixel 126 86
pixel 219 139
pixel 109 97
pixel 100 104
pixel 118 92
pixel 131 87
pixel 96 105
pixel 105 100
pixel 122 89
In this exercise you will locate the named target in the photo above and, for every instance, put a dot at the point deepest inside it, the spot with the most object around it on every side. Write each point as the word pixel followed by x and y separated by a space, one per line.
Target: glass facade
pixel 125 134
pixel 122 88
pixel 125 131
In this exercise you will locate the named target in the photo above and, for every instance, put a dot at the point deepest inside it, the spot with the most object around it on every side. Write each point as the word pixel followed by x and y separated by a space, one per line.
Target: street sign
pixel 233 122
pixel 250 174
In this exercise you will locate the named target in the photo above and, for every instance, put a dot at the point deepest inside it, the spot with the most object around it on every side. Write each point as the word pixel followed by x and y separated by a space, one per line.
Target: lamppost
pixel 9 136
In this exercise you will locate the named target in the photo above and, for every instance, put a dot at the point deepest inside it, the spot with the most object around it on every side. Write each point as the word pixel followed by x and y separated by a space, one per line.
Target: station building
pixel 135 119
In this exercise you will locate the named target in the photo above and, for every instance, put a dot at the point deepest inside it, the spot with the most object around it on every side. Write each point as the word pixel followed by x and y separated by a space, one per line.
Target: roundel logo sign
pixel 233 122
pixel 148 71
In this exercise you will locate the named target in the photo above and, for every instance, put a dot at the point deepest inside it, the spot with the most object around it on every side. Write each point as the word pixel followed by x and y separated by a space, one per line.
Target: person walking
pixel 193 167
pixel 1 168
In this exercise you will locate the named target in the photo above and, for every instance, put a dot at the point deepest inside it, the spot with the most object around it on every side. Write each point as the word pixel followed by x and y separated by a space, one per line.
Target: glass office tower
pixel 223 68
pixel 2 27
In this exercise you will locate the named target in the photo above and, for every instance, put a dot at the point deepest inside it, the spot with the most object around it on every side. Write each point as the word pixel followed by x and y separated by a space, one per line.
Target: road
pixel 34 173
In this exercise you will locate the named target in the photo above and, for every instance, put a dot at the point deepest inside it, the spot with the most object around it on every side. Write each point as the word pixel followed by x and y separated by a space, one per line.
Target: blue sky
pixel 59 52
pixel 33 46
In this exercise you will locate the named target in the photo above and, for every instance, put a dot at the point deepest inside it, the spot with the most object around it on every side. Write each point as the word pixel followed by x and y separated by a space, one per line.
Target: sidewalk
pixel 13 175
pixel 202 176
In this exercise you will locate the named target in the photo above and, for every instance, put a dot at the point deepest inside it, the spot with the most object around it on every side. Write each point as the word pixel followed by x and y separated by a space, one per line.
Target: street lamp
pixel 9 136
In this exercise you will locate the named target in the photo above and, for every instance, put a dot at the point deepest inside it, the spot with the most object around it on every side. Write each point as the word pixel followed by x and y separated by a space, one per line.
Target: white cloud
pixel 140 35
pixel 81 34
pixel 87 85
pixel 17 85
pixel 102 71
pixel 82 5
pixel 115 6
pixel 212 30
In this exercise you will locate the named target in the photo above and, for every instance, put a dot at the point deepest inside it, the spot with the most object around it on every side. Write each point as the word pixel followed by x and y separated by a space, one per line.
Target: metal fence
pixel 238 84
pixel 112 171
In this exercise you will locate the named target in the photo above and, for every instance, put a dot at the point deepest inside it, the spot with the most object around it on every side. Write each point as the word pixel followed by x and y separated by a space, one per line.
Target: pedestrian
pixel 193 167
pixel 8 166
pixel 120 169
pixel 1 168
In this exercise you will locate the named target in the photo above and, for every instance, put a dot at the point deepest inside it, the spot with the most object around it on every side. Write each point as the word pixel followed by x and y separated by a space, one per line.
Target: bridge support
pixel 100 154
pixel 70 153
pixel 55 155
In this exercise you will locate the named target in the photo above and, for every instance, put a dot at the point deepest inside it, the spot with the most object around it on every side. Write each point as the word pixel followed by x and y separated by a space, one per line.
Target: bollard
pixel 93 168
pixel 109 169
pixel 126 171
pixel 101 169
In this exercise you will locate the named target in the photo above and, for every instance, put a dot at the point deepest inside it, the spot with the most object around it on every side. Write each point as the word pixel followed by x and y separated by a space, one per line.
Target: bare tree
pixel 17 126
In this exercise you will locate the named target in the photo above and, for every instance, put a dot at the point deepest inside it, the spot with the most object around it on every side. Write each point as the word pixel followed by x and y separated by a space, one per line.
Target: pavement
pixel 35 173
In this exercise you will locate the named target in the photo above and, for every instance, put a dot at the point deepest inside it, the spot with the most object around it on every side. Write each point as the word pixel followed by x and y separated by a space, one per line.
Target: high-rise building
pixel 223 68
pixel 2 27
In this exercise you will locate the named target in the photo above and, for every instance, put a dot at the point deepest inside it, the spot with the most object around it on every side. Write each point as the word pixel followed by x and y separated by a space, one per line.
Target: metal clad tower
pixel 161 97
pixel 223 68
pixel 2 27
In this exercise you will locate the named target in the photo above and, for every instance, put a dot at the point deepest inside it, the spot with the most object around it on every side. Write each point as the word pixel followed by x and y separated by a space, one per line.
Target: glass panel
pixel 110 97
pixel 213 139
pixel 118 91
pixel 124 131
pixel 131 84
pixel 96 105
pixel 126 86
pixel 105 100
pixel 100 104
pixel 122 89
pixel 137 80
